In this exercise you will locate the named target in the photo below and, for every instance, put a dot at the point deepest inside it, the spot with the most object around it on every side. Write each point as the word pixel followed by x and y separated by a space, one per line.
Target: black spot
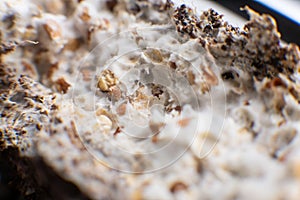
pixel 290 70
pixel 228 75
pixel 223 47
pixel 207 28
pixel 111 4
pixel 229 40
pixel 216 24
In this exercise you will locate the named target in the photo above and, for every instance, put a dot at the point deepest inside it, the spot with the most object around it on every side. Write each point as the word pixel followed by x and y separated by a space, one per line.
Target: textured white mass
pixel 146 100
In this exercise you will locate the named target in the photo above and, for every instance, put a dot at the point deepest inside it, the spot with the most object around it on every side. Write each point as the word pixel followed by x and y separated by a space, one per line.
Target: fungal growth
pixel 146 99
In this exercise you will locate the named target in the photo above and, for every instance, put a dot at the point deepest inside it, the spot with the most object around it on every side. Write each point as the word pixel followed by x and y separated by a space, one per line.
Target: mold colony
pixel 92 87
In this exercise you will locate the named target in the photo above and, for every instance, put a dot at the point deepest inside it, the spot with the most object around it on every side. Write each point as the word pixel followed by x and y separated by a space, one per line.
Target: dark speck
pixel 228 75
pixel 229 41
pixel 207 28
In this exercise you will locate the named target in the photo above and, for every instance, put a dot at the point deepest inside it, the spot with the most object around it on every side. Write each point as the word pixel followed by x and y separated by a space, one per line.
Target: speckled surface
pixel 142 100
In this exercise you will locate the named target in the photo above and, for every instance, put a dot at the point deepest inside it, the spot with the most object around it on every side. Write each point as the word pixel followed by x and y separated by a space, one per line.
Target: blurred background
pixel 285 12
